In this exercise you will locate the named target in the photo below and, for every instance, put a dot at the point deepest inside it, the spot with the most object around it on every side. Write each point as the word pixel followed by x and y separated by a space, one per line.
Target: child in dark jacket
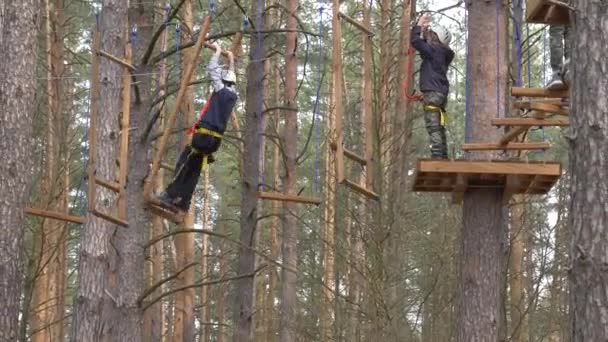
pixel 207 137
pixel 434 84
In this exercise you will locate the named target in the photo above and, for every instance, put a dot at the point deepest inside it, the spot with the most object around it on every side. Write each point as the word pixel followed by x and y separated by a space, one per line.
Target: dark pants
pixel 432 119
pixel 188 169
pixel 559 46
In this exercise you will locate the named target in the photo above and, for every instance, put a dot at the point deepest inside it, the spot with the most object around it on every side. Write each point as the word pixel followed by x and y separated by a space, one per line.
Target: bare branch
pixel 163 281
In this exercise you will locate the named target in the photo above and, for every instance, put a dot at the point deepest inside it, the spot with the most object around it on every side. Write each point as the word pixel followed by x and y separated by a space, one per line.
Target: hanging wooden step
pixel 512 134
pixel 543 107
pixel 512 146
pixel 54 215
pixel 526 177
pixel 539 92
pixel 110 218
pixel 165 211
pixel 278 196
pixel 530 122
pixel 547 12
pixel 361 190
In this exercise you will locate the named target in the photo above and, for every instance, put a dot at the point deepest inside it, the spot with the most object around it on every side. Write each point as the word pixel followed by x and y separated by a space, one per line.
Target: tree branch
pixel 163 281
pixel 201 284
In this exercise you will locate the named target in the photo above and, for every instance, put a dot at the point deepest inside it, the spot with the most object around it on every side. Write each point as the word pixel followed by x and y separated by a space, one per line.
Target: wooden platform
pixel 456 176
pixel 547 12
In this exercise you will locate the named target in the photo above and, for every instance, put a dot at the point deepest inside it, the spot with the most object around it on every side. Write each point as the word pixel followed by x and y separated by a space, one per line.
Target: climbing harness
pixel 442 113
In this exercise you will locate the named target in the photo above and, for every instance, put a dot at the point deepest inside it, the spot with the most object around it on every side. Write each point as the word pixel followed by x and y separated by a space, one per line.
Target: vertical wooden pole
pixel 337 109
pixel 124 138
pixel 162 148
pixel 367 102
pixel 93 118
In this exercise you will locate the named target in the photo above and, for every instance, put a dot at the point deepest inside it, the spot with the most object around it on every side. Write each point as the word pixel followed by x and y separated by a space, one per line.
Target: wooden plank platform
pixel 278 196
pixel 55 215
pixel 512 146
pixel 530 122
pixel 539 92
pixel 433 175
pixel 547 12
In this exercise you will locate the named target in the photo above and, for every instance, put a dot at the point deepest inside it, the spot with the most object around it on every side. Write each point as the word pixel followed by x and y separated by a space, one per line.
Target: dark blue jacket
pixel 435 62
pixel 219 110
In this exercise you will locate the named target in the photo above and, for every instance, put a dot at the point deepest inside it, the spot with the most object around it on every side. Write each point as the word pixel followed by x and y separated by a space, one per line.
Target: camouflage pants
pixel 559 46
pixel 434 103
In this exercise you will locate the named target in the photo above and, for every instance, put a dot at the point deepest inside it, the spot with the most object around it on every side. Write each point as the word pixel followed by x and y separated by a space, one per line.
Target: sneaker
pixel 565 74
pixel 556 82
pixel 166 200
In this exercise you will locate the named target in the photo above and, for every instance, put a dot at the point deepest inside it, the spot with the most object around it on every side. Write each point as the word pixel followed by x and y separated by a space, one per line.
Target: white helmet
pixel 229 76
pixel 445 37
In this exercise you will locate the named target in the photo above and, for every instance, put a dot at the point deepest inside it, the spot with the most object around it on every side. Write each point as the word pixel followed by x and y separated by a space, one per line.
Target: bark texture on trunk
pixel 17 89
pixel 588 218
pixel 483 236
pixel 287 329
pixel 519 319
pixel 95 309
pixel 243 331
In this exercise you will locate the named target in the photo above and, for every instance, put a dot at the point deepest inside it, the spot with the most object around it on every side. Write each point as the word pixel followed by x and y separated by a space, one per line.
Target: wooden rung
pixel 538 92
pixel 547 12
pixel 543 107
pixel 363 191
pixel 530 122
pixel 519 146
pixel 512 134
pixel 555 101
pixel 356 24
pixel 110 218
pixel 277 196
pixel 176 217
pixel 353 156
pixel 167 167
pixel 55 215
pixel 108 184
pixel 117 60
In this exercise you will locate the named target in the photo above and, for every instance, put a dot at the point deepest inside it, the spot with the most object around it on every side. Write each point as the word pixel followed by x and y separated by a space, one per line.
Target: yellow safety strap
pixel 206 131
pixel 205 162
pixel 442 113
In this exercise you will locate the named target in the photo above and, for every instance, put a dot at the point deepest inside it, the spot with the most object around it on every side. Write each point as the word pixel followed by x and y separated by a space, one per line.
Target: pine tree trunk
pixel 206 266
pixel 17 91
pixel 483 236
pixel 95 311
pixel 184 243
pixel 519 317
pixel 588 218
pixel 251 173
pixel 287 329
pixel 220 294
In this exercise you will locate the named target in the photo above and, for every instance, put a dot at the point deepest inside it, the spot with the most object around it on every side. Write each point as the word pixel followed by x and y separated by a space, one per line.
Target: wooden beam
pixel 123 156
pixel 517 146
pixel 110 218
pixel 499 167
pixel 124 63
pixel 55 215
pixel 512 134
pixel 543 107
pixel 530 122
pixel 277 196
pixel 349 154
pixel 356 24
pixel 162 149
pixel 363 191
pixel 175 217
pixel 108 184
pixel 539 92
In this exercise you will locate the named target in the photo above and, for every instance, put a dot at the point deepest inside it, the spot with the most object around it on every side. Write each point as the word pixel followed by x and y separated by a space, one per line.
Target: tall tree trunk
pixel 483 236
pixel 184 243
pixel 251 173
pixel 17 89
pixel 287 330
pixel 220 293
pixel 558 301
pixel 519 317
pixel 45 294
pixel 588 216
pixel 205 308
pixel 94 307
